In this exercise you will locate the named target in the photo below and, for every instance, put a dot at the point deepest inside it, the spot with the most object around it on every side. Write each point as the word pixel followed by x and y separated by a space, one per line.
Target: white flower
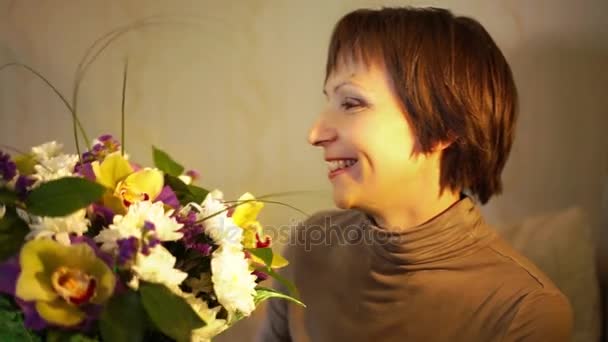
pixel 52 164
pixel 201 284
pixel 216 194
pixel 26 217
pixel 132 224
pixel 233 282
pixel 54 168
pixel 213 326
pixel 47 151
pixel 157 267
pixel 186 179
pixel 59 228
pixel 2 211
pixel 220 227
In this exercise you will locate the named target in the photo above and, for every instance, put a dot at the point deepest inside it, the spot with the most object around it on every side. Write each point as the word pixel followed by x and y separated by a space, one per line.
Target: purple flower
pixel 22 186
pixel 193 174
pixel 105 138
pixel 8 168
pixel 201 247
pixel 168 197
pixel 150 238
pixel 127 249
pixel 32 319
pixel 85 169
pixel 192 232
pixel 105 145
pixel 104 213
pixel 10 270
pixel 261 275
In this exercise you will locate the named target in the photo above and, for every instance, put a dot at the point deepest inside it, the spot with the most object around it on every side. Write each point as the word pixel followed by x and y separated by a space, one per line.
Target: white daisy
pixel 54 168
pixel 132 224
pixel 58 228
pixel 213 326
pixel 157 267
pixel 233 282
pixel 47 151
pixel 220 227
pixel 52 164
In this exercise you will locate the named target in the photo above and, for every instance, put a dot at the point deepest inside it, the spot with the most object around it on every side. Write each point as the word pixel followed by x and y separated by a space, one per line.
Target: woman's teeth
pixel 334 165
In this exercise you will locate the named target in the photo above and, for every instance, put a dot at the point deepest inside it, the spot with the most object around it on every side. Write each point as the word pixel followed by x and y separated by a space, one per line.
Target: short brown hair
pixel 453 83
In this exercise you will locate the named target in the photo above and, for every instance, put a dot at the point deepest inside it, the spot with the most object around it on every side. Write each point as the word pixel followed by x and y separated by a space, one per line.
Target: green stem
pixel 270 202
pixel 75 120
pixel 10 148
pixel 246 201
pixel 124 97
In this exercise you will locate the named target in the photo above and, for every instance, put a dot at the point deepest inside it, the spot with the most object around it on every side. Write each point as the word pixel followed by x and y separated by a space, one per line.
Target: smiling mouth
pixel 339 166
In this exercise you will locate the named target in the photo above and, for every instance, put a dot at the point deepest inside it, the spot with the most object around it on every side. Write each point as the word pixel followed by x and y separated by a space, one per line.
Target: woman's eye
pixel 351 103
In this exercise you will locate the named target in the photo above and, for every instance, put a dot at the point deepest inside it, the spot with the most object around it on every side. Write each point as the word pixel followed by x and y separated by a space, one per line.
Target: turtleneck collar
pixel 460 230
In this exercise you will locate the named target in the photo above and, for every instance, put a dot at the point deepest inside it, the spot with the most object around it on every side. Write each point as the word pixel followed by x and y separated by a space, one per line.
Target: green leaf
pixel 63 196
pixel 268 257
pixel 198 194
pixel 7 196
pixel 180 188
pixel 123 319
pixel 165 163
pixel 170 313
pixel 67 336
pixel 293 291
pixel 185 193
pixel 264 293
pixel 11 323
pixel 12 233
pixel 265 254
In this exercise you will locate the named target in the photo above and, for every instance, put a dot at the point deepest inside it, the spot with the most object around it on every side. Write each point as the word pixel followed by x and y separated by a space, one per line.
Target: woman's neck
pixel 402 216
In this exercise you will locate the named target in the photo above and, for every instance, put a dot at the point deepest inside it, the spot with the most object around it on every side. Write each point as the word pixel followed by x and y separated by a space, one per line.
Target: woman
pixel 419 122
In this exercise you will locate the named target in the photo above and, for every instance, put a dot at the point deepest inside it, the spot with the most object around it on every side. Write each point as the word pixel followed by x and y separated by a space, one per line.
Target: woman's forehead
pixel 351 69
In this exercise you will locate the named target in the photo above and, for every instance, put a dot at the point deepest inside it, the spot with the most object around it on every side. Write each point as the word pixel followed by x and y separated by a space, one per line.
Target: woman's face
pixel 368 145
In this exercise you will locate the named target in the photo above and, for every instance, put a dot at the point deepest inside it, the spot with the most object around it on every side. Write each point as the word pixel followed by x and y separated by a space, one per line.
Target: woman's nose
pixel 321 132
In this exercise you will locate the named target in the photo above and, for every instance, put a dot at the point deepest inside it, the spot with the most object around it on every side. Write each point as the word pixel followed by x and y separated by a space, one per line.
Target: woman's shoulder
pixel 542 315
pixel 519 269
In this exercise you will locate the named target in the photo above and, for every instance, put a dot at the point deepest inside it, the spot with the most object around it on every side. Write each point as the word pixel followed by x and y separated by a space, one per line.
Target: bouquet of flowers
pixel 98 247
pixel 93 246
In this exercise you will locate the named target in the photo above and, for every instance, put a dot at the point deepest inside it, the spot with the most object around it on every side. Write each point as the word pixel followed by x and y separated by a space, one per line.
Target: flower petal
pixel 247 213
pixel 168 197
pixel 9 270
pixel 113 169
pixel 146 181
pixel 59 312
pixel 34 282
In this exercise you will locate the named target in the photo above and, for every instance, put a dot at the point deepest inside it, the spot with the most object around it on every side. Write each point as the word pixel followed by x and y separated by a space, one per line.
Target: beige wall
pixel 230 87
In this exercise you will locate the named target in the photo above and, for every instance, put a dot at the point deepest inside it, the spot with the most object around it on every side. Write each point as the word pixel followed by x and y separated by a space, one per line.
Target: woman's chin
pixel 343 199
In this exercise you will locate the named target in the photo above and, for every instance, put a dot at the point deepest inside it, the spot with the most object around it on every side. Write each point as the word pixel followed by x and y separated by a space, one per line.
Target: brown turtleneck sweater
pixel 450 279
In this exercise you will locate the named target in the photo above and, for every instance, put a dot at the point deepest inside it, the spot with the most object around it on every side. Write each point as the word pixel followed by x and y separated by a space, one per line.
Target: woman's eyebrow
pixel 341 84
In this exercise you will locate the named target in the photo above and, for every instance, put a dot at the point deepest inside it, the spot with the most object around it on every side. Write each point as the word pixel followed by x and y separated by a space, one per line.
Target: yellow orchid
pixel 126 186
pixel 59 279
pixel 246 216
